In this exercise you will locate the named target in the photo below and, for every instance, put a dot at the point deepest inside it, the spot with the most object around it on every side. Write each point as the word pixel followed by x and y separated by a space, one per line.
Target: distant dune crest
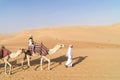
pixel 103 34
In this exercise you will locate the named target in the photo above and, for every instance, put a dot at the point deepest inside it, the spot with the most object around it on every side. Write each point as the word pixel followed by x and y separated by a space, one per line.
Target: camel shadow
pixel 56 62
pixel 15 67
pixel 63 58
pixel 19 68
pixel 59 60
pixel 78 60
pixel 1 67
pixel 33 62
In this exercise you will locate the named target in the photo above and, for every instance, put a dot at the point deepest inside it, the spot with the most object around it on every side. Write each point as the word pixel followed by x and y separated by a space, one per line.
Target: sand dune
pixel 95 53
pixel 94 34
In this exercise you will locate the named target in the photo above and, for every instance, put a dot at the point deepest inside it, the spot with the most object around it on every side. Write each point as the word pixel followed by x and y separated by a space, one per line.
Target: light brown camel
pixel 11 55
pixel 50 51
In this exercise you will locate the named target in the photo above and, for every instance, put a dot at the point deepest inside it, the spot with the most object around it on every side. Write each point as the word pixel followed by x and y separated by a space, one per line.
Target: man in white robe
pixel 69 55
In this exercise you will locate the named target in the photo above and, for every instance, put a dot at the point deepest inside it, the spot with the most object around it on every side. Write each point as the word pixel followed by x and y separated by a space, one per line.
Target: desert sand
pixel 96 53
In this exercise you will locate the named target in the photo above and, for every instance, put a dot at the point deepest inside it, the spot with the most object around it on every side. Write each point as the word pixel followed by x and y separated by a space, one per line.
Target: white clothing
pixel 69 62
pixel 69 55
pixel 30 42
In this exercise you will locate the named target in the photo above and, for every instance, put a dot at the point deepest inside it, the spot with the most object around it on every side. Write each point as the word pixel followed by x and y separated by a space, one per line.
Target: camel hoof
pixel 28 66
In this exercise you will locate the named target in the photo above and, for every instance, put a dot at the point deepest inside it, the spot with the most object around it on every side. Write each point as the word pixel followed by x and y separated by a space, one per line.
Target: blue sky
pixel 18 15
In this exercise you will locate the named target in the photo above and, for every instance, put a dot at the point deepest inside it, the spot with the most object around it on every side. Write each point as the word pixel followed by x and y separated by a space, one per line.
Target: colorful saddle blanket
pixel 39 48
pixel 4 52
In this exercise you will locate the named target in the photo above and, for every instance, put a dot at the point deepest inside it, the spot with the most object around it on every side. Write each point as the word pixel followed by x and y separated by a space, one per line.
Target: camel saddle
pixel 4 52
pixel 39 48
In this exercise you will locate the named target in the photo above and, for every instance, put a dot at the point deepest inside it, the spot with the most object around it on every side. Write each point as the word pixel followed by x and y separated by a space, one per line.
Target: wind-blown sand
pixel 96 53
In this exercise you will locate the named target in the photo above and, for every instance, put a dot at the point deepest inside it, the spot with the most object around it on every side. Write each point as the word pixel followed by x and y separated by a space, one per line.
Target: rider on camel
pixel 31 43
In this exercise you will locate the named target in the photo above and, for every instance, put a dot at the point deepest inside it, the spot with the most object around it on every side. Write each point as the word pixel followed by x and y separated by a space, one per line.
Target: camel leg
pixel 6 62
pixel 41 63
pixel 48 61
pixel 5 68
pixel 10 67
pixel 22 63
pixel 28 60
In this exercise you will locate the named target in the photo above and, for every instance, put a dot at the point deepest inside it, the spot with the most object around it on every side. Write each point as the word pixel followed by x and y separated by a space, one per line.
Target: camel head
pixel 60 45
pixel 22 50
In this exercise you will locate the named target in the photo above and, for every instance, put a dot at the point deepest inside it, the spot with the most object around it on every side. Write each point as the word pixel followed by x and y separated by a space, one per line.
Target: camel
pixel 11 55
pixel 42 57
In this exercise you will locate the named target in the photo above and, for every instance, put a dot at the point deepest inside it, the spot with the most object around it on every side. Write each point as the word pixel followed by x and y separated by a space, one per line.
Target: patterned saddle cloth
pixel 4 52
pixel 39 48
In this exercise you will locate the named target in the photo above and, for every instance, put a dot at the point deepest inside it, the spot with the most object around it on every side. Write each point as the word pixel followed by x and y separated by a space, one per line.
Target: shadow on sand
pixel 55 62
pixel 15 67
pixel 63 58
pixel 78 60
pixel 1 67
